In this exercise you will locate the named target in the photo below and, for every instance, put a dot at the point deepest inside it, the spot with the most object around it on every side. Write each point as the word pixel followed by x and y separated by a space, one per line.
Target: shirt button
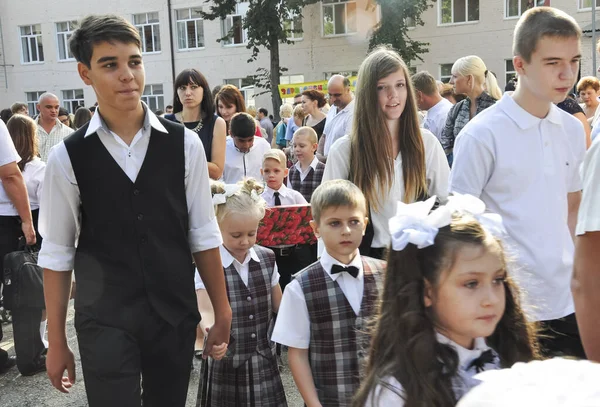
pixel 253 336
pixel 249 298
pixel 251 317
pixel 140 216
pixel 136 192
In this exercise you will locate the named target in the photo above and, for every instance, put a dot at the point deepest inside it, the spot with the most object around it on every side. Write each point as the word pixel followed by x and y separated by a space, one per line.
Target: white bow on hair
pixel 230 189
pixel 415 223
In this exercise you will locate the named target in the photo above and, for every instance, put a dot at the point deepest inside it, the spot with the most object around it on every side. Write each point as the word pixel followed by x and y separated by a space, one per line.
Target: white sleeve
pixel 204 233
pixel 338 160
pixel 436 166
pixel 386 395
pixel 293 325
pixel 589 211
pixel 472 167
pixel 8 152
pixel 275 277
pixel 198 284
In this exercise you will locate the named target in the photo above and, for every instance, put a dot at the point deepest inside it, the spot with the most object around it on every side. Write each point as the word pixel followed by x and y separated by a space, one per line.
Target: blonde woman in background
pixel 471 77
pixel 285 112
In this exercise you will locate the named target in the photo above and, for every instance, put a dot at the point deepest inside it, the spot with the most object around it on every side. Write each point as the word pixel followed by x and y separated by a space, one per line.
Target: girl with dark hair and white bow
pixel 449 308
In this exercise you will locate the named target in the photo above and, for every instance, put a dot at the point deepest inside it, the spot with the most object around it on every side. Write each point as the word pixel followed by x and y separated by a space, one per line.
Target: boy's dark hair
pixel 194 77
pixel 539 22
pixel 242 125
pixel 264 111
pixel 95 29
pixel 169 107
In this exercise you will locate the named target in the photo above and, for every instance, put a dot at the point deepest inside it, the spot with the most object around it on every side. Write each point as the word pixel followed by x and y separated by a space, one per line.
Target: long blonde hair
pixel 473 65
pixel 372 154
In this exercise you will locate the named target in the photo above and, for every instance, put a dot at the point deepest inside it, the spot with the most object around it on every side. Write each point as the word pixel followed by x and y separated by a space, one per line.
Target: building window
pixel 149 28
pixel 63 33
pixel 291 25
pixel 246 86
pixel 154 97
pixel 32 49
pixel 514 8
pixel 190 29
pixel 72 99
pixel 510 70
pixel 410 22
pixel 339 17
pixel 32 99
pixel 458 11
pixel 587 4
pixel 347 74
pixel 233 25
pixel 446 72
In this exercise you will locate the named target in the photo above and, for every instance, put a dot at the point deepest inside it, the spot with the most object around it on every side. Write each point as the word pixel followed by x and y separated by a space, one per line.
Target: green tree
pixel 397 16
pixel 266 24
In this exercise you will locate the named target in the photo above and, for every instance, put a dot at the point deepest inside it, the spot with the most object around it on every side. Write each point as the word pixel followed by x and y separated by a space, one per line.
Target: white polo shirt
pixel 435 120
pixel 589 210
pixel 240 165
pixel 523 167
pixel 338 124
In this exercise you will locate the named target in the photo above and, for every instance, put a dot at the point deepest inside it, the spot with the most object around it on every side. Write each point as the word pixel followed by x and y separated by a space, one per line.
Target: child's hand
pixel 218 351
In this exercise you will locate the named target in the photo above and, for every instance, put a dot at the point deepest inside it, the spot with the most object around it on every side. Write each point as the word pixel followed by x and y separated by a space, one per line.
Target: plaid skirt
pixel 256 383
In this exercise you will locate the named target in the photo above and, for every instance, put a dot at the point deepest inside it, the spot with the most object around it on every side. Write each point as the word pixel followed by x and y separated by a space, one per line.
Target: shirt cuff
pixel 206 237
pixel 298 343
pixel 589 225
pixel 56 257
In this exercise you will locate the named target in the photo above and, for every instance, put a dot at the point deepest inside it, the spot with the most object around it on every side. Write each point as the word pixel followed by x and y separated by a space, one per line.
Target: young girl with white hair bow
pixel 448 310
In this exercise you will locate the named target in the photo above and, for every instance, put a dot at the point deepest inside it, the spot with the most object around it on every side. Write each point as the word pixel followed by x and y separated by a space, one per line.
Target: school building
pixel 34 56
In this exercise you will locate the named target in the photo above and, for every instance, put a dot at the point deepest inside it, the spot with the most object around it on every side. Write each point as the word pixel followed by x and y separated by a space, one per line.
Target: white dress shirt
pixel 240 165
pixel 304 173
pixel 60 205
pixel 589 209
pixel 435 120
pixel 436 172
pixel 287 196
pixel 33 174
pixel 242 268
pixel 293 324
pixel 47 141
pixel 337 124
pixel 523 167
pixel 8 154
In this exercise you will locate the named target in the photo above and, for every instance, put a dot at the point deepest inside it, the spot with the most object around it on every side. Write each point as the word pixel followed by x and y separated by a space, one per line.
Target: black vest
pixel 133 248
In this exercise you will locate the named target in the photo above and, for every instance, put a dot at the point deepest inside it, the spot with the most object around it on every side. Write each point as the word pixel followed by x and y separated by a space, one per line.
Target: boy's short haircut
pixel 539 22
pixel 336 193
pixel 17 107
pixel 242 125
pixel 95 29
pixel 309 132
pixel 588 82
pixel 424 82
pixel 299 112
pixel 277 155
pixel 263 111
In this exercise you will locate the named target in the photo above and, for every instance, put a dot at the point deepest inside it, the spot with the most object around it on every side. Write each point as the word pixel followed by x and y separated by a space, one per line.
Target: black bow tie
pixel 336 268
pixel 486 357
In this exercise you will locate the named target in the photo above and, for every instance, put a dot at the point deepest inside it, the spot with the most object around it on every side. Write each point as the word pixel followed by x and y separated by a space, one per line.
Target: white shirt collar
pixel 283 191
pixel 523 118
pixel 349 107
pixel 439 105
pixel 56 122
pixel 150 120
pixel 313 164
pixel 327 262
pixel 465 356
pixel 227 259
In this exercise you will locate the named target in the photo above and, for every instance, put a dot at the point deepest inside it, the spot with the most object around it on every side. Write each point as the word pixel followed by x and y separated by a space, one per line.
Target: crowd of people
pixel 446 219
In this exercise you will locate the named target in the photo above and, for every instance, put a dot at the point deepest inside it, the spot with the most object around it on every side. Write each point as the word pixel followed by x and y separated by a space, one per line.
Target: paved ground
pixel 36 391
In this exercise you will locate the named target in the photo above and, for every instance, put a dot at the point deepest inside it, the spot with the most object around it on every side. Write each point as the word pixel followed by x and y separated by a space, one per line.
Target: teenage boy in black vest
pixel 133 191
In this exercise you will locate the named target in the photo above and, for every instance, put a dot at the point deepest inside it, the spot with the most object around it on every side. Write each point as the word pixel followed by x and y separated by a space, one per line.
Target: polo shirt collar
pixel 227 259
pixel 327 263
pixel 524 119
pixel 150 120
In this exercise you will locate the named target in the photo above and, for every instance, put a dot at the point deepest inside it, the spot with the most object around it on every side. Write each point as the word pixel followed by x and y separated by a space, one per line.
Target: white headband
pixel 230 189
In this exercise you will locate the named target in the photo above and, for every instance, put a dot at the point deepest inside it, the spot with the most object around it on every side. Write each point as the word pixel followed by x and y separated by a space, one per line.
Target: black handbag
pixel 23 280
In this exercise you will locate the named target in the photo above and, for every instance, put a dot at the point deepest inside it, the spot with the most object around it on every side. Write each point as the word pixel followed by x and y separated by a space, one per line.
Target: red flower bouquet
pixel 286 225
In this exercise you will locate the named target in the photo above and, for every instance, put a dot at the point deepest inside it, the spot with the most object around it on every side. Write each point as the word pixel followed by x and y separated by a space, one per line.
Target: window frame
pixel 38 42
pixel 245 90
pixel 332 4
pixel 507 72
pixel 579 8
pixel 441 76
pixel 31 104
pixel 63 36
pixel 506 7
pixel 453 23
pixel 293 17
pixel 196 21
pixel 68 100
pixel 241 9
pixel 155 96
pixel 141 31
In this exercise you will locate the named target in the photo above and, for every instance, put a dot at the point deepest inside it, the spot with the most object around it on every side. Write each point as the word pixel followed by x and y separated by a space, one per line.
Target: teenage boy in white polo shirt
pixel 522 158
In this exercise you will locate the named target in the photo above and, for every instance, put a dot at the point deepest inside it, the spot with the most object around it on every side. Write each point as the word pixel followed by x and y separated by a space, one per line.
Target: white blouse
pixel 33 174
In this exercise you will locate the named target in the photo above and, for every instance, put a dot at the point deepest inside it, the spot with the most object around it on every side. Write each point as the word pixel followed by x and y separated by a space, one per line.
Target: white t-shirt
pixel 435 120
pixel 8 154
pixel 244 165
pixel 436 169
pixel 589 210
pixel 523 167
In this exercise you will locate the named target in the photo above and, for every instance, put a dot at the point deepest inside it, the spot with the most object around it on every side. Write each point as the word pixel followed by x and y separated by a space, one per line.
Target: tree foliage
pixel 397 16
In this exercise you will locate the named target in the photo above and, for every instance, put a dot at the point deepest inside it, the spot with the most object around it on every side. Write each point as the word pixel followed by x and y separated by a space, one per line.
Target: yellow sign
pixel 292 89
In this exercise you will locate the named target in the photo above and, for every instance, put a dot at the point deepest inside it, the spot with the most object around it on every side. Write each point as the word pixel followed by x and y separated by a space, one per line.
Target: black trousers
pixel 114 360
pixel 291 260
pixel 560 337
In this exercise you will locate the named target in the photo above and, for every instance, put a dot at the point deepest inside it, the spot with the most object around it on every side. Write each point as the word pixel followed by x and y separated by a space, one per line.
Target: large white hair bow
pixel 230 189
pixel 492 222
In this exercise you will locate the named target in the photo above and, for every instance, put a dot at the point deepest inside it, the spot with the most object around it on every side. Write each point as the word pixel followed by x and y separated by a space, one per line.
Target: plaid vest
pixel 310 183
pixel 338 338
pixel 251 307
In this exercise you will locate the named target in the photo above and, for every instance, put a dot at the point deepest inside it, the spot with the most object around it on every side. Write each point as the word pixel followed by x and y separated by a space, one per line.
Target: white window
pixel 190 29
pixel 410 22
pixel 32 99
pixel 154 97
pixel 246 86
pixel 346 74
pixel 339 17
pixel 149 28
pixel 514 8
pixel 587 4
pixel 63 33
pixel 445 72
pixel 458 11
pixel 510 70
pixel 291 26
pixel 233 25
pixel 32 49
pixel 72 99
